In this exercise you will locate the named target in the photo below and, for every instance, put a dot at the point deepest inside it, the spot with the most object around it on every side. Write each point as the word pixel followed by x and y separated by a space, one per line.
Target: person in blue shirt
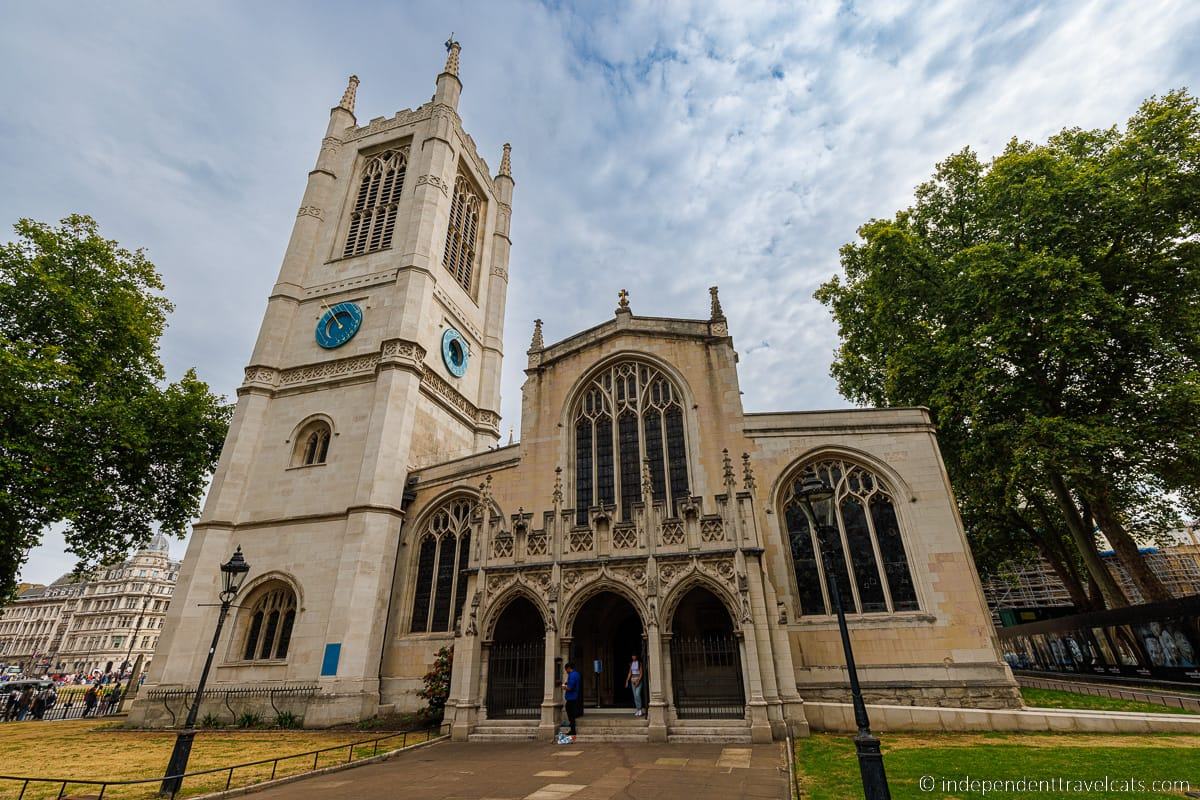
pixel 571 694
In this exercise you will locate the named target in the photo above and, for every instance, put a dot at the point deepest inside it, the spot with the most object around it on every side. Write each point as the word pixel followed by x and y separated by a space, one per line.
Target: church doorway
pixel 607 631
pixel 706 660
pixel 516 667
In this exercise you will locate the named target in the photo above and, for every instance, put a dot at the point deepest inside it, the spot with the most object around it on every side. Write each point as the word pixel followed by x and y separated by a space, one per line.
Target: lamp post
pixel 813 489
pixel 233 573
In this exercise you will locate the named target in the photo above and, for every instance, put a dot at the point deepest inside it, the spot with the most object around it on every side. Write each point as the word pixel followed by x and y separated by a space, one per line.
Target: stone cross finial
pixel 537 343
pixel 747 473
pixel 558 492
pixel 506 160
pixel 730 481
pixel 622 301
pixel 717 312
pixel 348 96
pixel 453 48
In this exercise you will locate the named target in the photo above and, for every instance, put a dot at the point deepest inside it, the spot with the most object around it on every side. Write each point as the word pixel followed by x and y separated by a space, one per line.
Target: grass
pixel 1054 698
pixel 95 750
pixel 828 769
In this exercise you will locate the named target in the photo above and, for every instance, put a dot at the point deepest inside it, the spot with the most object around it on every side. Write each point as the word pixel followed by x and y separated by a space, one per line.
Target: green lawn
pixel 828 769
pixel 1053 698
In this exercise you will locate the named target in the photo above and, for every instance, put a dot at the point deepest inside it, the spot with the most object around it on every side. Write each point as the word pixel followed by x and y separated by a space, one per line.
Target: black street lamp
pixel 870 759
pixel 233 573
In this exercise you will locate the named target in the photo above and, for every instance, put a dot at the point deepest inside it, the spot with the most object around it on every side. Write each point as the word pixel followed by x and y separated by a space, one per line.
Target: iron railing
pixel 301 691
pixel 706 676
pixel 516 680
pixel 71 709
pixel 421 736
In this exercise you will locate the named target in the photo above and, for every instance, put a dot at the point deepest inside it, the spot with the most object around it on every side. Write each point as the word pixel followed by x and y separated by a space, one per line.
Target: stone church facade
pixel 642 511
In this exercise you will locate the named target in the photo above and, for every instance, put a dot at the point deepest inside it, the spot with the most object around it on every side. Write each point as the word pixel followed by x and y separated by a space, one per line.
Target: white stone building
pixel 643 510
pixel 99 622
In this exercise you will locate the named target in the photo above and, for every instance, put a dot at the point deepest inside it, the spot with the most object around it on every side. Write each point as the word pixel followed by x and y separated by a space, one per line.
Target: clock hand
pixel 332 314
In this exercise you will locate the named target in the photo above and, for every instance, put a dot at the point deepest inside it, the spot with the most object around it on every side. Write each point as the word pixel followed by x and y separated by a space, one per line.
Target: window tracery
pixel 373 217
pixel 272 617
pixel 312 444
pixel 648 413
pixel 859 531
pixel 442 559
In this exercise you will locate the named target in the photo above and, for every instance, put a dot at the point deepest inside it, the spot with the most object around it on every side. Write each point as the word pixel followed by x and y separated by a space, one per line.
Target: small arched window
pixel 312 444
pixel 462 234
pixel 441 576
pixel 629 415
pixel 374 214
pixel 268 633
pixel 856 532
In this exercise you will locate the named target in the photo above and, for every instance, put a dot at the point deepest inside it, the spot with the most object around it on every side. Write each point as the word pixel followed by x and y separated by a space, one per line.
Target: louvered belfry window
pixel 374 215
pixel 463 233
pixel 630 415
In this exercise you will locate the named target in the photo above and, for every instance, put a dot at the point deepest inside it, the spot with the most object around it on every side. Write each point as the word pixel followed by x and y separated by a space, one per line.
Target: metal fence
pixel 516 680
pixel 177 701
pixel 706 675
pixel 67 705
pixel 211 780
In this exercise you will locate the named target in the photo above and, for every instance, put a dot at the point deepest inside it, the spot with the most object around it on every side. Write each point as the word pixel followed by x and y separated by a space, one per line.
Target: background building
pixel 1032 590
pixel 95 622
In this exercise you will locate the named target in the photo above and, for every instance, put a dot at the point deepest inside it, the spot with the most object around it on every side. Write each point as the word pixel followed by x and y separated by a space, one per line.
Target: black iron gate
pixel 706 677
pixel 516 680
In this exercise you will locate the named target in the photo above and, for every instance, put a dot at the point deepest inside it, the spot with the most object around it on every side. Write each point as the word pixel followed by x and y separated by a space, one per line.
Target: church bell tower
pixel 379 352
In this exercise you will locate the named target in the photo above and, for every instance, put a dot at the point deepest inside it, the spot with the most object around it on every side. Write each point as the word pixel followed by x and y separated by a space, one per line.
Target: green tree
pixel 435 689
pixel 1046 308
pixel 90 433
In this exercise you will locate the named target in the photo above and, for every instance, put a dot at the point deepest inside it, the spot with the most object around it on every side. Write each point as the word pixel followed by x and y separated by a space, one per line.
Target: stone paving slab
pixel 535 771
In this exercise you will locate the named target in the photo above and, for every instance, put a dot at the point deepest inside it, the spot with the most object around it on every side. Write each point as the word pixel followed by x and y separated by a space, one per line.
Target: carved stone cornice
pixel 434 181
pixel 381 124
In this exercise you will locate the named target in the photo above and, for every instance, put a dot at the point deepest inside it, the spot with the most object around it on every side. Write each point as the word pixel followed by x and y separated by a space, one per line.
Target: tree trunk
pixel 1065 574
pixel 1123 544
pixel 1085 541
pixel 1048 548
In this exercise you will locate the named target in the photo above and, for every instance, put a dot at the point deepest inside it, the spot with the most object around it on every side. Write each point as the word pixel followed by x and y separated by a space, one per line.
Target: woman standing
pixel 633 679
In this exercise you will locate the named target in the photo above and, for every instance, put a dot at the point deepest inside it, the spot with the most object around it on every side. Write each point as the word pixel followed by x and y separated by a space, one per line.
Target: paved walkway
pixel 536 771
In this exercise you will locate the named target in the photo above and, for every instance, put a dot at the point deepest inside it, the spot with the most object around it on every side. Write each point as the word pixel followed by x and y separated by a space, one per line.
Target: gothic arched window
pixel 272 616
pixel 374 214
pixel 312 444
pixel 629 415
pixel 462 233
pixel 859 523
pixel 441 584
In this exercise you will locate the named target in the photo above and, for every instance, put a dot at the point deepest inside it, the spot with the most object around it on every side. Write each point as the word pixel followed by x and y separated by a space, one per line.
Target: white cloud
pixel 659 147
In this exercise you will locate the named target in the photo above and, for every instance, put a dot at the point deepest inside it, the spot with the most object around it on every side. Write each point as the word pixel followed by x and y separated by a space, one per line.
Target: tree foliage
pixel 1046 308
pixel 90 433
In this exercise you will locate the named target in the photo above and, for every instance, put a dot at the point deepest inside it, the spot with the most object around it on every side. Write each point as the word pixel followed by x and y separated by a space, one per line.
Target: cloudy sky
pixel 659 147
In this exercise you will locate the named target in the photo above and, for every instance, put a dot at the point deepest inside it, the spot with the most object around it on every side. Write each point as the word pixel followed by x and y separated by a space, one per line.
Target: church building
pixel 642 511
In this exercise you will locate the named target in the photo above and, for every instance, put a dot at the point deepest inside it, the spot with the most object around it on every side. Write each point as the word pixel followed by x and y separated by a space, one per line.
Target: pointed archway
pixel 516 662
pixel 706 659
pixel 606 633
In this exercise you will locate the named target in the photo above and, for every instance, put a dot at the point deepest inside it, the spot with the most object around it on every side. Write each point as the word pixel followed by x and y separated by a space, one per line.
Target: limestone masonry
pixel 643 511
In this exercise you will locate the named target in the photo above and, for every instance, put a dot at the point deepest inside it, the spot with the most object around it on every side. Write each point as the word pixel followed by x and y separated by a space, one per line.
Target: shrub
pixel 286 719
pixel 436 690
pixel 211 721
pixel 250 719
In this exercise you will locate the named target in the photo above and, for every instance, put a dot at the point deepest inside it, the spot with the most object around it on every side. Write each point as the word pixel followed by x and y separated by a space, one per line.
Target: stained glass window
pixel 861 521
pixel 265 636
pixel 441 583
pixel 649 430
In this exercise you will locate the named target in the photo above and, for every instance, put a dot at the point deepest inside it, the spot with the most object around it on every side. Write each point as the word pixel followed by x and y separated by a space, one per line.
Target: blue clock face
pixel 338 325
pixel 454 352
